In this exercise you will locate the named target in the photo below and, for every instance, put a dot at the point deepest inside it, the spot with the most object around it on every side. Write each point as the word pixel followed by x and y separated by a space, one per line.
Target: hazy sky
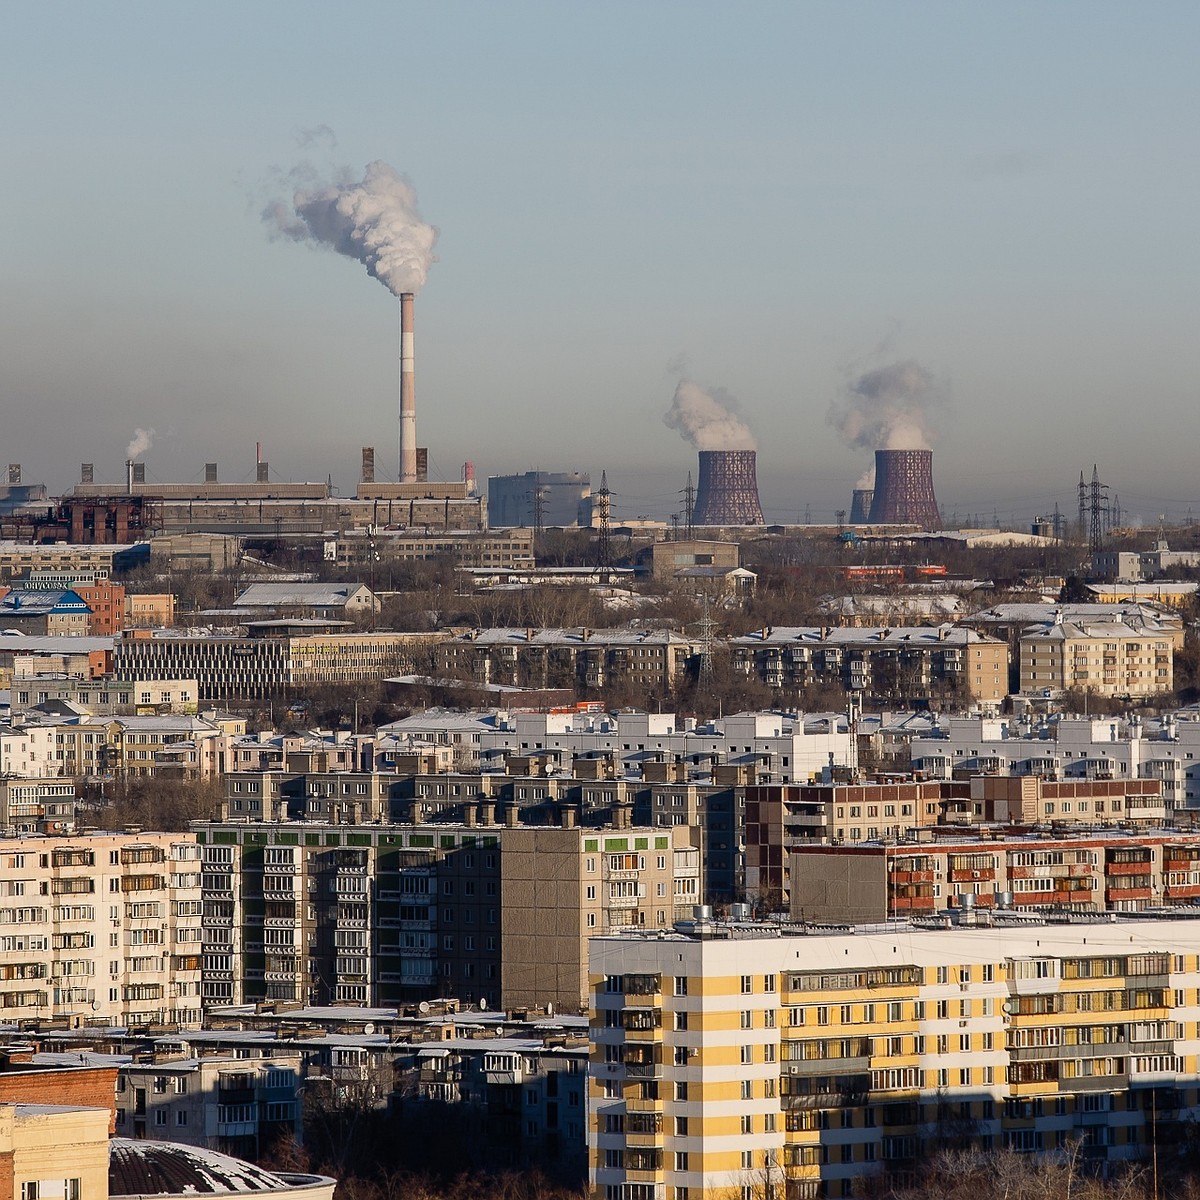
pixel 772 198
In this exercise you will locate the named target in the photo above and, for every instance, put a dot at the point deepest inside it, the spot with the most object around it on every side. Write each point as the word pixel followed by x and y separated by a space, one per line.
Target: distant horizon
pixel 971 227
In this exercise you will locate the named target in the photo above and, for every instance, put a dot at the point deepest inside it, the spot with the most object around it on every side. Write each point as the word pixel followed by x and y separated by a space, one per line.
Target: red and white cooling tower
pixel 904 489
pixel 727 491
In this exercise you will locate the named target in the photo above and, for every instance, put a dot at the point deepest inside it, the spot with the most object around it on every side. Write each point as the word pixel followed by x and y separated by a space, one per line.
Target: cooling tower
pixel 860 506
pixel 727 492
pixel 904 489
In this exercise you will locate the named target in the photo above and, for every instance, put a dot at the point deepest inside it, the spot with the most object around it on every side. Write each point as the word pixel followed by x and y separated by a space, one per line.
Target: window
pixel 747 984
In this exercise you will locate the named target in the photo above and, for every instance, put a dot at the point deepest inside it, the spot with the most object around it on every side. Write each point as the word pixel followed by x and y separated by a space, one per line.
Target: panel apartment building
pixel 394 914
pixel 729 1059
pixel 101 928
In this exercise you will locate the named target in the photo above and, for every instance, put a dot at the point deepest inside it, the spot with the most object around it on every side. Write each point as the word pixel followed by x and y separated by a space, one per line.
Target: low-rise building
pixel 940 663
pixel 1091 871
pixel 1109 659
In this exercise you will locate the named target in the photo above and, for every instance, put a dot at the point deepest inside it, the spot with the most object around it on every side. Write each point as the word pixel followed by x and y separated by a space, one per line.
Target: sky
pixel 771 199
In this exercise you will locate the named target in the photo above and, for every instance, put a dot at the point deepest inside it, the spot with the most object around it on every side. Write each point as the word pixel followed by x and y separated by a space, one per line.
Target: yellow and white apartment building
pixel 1109 658
pixel 744 1063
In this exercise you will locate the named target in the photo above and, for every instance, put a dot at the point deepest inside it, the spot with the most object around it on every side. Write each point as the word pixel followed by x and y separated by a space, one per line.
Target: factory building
pixel 546 498
pixel 733 1059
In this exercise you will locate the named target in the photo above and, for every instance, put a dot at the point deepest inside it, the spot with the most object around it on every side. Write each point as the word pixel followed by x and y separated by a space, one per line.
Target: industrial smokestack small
pixel 262 472
pixel 468 475
pixel 904 489
pixel 860 506
pixel 139 472
pixel 727 491
pixel 129 476
pixel 368 464
pixel 408 393
pixel 87 473
pixel 210 472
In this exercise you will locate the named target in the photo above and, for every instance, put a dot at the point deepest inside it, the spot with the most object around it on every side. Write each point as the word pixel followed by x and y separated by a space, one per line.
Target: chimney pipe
pixel 262 472
pixel 87 473
pixel 368 464
pixel 408 394
pixel 129 476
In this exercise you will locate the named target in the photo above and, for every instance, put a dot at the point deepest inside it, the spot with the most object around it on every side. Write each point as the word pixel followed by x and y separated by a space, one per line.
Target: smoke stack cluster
pixel 727 491
pixel 860 506
pixel 904 489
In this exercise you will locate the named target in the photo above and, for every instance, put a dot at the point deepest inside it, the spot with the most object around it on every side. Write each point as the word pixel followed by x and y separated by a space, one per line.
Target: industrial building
pixel 730 1058
pixel 538 499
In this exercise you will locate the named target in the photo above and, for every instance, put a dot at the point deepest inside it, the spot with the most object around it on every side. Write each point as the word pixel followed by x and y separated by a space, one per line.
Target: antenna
pixel 1098 504
pixel 707 626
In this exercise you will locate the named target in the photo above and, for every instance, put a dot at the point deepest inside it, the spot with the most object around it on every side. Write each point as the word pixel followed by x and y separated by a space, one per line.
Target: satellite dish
pixel 483 1004
pixel 369 1028
pixel 423 1007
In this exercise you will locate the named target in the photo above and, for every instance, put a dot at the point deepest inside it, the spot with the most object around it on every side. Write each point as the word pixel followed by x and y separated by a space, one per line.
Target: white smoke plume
pixel 373 220
pixel 142 440
pixel 866 480
pixel 706 419
pixel 889 408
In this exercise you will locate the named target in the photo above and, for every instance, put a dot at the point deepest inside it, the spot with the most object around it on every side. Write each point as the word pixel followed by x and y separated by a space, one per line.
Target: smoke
pixel 866 481
pixel 706 419
pixel 143 439
pixel 889 408
pixel 374 221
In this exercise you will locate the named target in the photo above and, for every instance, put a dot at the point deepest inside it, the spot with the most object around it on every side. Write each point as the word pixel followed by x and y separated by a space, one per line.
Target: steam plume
pixel 143 439
pixel 889 408
pixel 374 221
pixel 706 419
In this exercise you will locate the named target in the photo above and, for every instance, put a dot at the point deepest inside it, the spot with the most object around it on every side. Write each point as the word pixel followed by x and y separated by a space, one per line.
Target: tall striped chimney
pixel 408 393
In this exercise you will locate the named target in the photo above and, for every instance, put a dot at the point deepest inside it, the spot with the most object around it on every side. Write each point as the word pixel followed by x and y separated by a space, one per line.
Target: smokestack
pixel 87 473
pixel 422 464
pixel 129 475
pixel 408 393
pixel 468 476
pixel 368 464
pixel 262 473
pixel 904 489
pixel 860 506
pixel 727 491
pixel 258 452
pixel 139 472
pixel 14 474
pixel 210 472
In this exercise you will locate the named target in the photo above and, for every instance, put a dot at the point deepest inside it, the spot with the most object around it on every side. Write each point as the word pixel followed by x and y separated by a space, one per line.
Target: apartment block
pixel 1069 748
pixel 914 663
pixel 101 928
pixel 106 697
pixel 1093 872
pixel 728 1061
pixel 1108 658
pixel 781 818
pixel 549 658
pixel 394 914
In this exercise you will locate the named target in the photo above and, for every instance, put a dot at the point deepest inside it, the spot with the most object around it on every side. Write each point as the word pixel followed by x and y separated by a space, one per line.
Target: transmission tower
pixel 1098 505
pixel 1083 508
pixel 604 511
pixel 537 504
pixel 674 527
pixel 689 507
pixel 707 627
